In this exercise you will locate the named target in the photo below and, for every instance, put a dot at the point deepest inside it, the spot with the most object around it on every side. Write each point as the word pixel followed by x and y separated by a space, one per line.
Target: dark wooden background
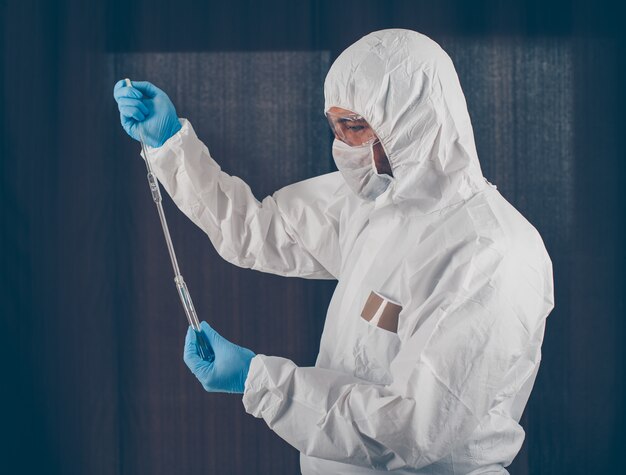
pixel 91 331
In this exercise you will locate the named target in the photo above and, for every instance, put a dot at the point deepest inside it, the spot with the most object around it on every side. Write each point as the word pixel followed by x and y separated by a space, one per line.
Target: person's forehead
pixel 339 111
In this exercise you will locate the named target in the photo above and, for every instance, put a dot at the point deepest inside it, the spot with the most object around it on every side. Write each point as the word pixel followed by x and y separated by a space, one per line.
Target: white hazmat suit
pixel 441 389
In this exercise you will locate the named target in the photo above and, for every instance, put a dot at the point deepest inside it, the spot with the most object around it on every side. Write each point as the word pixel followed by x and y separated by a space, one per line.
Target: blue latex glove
pixel 146 108
pixel 228 372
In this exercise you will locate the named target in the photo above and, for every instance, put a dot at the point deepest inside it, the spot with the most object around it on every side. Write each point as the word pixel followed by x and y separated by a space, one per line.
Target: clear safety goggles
pixel 352 129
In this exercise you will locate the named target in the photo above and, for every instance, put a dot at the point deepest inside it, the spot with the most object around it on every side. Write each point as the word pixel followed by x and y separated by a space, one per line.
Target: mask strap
pixel 372 155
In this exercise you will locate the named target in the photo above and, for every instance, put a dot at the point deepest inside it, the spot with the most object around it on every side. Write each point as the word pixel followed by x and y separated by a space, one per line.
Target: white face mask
pixel 358 168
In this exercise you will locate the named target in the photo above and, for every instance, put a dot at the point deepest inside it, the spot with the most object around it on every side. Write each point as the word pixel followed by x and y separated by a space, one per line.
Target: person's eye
pixel 356 128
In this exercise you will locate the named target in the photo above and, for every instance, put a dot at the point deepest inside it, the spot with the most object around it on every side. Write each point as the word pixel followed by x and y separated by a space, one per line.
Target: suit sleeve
pixel 263 235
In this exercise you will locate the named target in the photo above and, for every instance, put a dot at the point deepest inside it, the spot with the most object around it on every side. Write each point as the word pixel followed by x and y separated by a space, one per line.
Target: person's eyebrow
pixel 346 119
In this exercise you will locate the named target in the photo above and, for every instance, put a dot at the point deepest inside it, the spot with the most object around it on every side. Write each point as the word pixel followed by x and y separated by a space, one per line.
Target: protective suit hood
pixel 405 85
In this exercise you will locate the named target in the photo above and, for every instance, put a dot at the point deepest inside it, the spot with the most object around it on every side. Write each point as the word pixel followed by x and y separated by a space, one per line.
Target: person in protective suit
pixel 432 339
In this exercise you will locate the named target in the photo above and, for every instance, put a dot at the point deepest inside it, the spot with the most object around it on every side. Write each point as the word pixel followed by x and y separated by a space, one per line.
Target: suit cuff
pixel 261 398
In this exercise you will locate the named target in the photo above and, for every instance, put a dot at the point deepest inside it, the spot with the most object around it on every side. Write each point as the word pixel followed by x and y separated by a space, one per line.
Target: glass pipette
pixel 205 350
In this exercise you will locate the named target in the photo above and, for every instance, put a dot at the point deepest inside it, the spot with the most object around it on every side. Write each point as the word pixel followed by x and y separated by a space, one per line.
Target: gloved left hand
pixel 228 371
pixel 145 110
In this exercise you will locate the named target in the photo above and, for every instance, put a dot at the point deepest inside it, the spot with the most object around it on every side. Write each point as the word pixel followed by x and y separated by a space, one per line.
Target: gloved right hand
pixel 145 108
pixel 228 372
